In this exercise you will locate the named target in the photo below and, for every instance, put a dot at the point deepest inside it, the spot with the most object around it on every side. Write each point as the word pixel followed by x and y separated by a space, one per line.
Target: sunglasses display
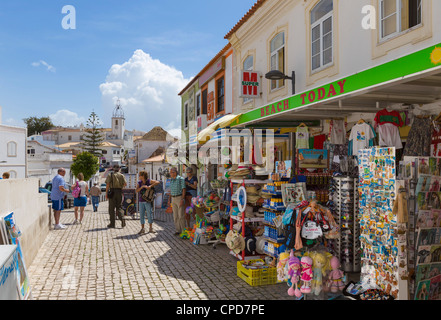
pixel 344 191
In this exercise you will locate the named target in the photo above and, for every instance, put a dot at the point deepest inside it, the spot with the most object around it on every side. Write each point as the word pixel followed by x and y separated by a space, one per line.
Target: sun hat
pixel 260 245
pixel 235 242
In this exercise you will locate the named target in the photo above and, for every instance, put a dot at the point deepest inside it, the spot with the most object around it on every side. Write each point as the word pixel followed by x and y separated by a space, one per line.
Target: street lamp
pixel 278 75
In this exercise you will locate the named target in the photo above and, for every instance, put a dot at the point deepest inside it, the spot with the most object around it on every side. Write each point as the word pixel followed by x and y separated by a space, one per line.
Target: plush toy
pixel 294 275
pixel 306 274
pixel 320 265
pixel 335 278
pixel 283 259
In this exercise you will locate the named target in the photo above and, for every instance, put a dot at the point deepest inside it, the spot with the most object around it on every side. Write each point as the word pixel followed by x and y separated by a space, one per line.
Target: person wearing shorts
pixel 57 197
pixel 81 201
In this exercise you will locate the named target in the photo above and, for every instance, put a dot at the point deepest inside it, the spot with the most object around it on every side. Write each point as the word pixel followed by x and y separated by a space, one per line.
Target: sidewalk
pixel 91 262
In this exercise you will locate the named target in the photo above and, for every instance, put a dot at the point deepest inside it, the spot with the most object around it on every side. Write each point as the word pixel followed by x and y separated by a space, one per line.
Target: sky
pixel 66 64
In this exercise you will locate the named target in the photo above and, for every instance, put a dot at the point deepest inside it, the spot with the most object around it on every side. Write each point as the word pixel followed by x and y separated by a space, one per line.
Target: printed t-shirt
pixel 385 116
pixel 360 136
pixel 302 138
pixel 338 134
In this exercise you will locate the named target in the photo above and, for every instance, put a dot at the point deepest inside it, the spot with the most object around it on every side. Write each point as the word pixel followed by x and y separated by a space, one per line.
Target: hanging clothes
pixel 319 141
pixel 419 139
pixel 389 136
pixel 385 116
pixel 338 132
pixel 302 137
pixel 360 135
pixel 435 147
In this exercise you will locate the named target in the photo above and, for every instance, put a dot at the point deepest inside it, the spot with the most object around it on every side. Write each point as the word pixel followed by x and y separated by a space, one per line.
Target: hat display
pixel 260 245
pixel 250 245
pixel 235 242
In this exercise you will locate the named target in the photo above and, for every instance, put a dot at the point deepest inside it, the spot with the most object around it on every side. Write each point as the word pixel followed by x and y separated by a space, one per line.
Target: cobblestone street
pixel 91 262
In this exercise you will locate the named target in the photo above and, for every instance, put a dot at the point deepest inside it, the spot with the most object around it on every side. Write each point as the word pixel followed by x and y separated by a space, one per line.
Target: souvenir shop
pixel 347 200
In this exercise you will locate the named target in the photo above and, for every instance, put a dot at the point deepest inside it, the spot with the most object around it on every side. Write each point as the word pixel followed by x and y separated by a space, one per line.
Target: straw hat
pixel 235 242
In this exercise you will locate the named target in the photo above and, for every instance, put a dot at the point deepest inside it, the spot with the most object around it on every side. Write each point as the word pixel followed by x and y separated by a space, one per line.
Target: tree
pixel 93 138
pixel 86 163
pixel 38 125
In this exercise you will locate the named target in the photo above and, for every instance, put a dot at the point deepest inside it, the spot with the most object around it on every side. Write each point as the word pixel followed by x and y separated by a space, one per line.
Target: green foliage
pixel 86 163
pixel 38 125
pixel 93 138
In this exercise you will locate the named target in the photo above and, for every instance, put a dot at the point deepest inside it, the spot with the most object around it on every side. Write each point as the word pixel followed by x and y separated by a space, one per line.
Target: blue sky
pixel 154 46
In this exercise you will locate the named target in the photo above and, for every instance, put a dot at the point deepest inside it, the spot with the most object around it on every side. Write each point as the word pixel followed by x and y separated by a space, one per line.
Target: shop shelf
pixel 274 249
pixel 257 277
pixel 272 234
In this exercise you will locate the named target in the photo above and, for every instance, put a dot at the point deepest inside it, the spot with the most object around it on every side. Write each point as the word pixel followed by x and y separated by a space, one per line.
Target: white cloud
pixel 45 64
pixel 66 118
pixel 148 91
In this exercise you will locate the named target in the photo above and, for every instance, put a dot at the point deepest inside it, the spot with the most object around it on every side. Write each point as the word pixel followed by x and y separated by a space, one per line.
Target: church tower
pixel 118 122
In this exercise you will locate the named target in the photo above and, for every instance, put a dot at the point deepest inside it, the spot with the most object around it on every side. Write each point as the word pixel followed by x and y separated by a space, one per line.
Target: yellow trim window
pixel 322 35
pixel 397 16
pixel 278 58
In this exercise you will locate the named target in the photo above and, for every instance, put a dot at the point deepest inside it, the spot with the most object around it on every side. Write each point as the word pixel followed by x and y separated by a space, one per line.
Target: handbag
pixel 110 192
pixel 148 195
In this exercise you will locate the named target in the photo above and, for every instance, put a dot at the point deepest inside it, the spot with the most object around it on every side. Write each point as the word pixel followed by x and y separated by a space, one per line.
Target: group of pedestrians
pixel 182 190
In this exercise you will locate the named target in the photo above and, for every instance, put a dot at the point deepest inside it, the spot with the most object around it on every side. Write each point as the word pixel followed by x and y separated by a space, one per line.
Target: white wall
pixel 31 212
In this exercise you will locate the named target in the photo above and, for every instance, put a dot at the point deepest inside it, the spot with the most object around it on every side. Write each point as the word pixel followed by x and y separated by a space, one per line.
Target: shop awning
pixel 223 122
pixel 411 79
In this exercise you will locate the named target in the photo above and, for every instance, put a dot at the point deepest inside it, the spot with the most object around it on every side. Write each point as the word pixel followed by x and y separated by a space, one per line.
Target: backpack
pixel 76 191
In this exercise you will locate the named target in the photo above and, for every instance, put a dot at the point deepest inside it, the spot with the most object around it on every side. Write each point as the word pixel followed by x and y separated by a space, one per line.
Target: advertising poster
pixel 313 159
pixel 12 234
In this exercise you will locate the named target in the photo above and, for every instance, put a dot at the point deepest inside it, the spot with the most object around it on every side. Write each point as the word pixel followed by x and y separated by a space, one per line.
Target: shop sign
pixel 394 70
pixel 250 84
pixel 210 107
pixel 211 72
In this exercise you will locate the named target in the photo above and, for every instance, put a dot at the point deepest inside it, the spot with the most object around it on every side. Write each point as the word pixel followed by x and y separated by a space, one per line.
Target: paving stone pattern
pixel 92 262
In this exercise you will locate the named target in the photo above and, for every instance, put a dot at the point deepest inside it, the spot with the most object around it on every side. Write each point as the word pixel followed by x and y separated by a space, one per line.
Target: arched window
pixel 248 65
pixel 322 34
pixel 278 58
pixel 12 149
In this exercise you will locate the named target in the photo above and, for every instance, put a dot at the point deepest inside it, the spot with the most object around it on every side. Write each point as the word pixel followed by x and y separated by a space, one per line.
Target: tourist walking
pixel 95 193
pixel 145 207
pixel 115 182
pixel 80 202
pixel 191 186
pixel 177 192
pixel 57 196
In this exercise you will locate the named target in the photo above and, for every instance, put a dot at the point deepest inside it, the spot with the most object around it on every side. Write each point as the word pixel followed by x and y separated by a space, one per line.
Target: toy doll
pixel 335 278
pixel 320 264
pixel 283 259
pixel 306 274
pixel 294 275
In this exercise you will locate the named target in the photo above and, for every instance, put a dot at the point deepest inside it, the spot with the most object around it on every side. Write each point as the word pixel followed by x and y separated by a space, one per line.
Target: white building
pixel 13 151
pixel 44 162
pixel 117 140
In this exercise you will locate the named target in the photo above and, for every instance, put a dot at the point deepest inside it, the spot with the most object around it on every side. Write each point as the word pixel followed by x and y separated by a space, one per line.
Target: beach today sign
pixel 426 60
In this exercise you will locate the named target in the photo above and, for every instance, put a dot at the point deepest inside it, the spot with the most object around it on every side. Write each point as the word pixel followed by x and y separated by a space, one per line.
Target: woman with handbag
pixel 145 206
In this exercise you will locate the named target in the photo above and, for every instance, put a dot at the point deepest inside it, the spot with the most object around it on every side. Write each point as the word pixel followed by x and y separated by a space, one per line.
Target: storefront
pixel 345 208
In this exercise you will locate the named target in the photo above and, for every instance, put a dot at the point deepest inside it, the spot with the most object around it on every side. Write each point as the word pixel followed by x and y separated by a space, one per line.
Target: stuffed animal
pixel 283 259
pixel 321 265
pixel 335 278
pixel 306 274
pixel 294 275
